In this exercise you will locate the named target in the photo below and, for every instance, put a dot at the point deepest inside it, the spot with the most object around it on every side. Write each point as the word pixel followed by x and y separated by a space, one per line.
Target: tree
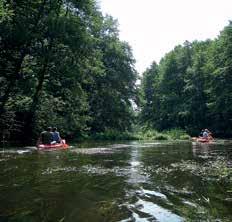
pixel 112 91
pixel 221 90
pixel 149 90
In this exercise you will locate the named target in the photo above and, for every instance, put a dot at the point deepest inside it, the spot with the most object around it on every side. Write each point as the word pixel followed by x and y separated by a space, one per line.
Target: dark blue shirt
pixel 56 136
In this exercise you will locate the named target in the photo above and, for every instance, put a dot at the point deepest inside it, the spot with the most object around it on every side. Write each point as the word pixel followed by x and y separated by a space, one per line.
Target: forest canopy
pixel 62 64
pixel 191 87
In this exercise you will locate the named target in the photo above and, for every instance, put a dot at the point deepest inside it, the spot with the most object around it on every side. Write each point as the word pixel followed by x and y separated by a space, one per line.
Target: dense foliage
pixel 191 87
pixel 62 64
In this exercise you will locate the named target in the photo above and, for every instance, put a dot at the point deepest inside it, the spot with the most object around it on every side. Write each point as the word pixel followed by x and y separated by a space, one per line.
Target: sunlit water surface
pixel 131 181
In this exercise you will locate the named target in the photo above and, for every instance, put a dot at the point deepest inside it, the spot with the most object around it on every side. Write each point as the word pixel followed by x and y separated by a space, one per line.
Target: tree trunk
pixel 30 119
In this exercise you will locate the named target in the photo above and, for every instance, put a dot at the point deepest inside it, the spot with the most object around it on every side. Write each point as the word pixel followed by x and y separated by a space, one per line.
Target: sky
pixel 154 27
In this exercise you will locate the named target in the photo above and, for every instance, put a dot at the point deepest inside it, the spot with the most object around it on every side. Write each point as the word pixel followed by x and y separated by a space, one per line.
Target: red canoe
pixel 57 146
pixel 202 140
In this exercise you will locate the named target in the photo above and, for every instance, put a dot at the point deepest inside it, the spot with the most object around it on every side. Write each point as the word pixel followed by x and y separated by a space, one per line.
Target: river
pixel 118 181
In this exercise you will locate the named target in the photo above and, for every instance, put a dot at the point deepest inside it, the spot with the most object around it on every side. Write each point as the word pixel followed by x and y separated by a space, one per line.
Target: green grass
pixel 140 134
pixel 150 135
pixel 177 134
pixel 173 134
pixel 113 135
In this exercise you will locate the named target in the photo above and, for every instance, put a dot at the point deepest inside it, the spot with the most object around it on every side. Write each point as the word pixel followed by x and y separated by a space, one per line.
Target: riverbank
pixel 114 135
pixel 174 134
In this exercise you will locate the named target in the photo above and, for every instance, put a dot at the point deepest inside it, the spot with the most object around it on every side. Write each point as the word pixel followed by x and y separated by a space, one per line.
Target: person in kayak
pixel 210 137
pixel 55 136
pixel 205 134
pixel 201 133
pixel 46 137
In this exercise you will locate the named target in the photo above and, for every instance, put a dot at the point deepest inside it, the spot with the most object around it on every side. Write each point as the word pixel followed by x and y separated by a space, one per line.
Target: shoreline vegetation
pixel 141 134
pixel 114 135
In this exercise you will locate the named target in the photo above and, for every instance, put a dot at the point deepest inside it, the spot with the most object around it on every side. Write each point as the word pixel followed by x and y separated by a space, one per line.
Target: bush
pixel 185 137
pixel 177 134
pixel 113 135
pixel 173 134
pixel 151 135
pixel 161 137
pixel 142 134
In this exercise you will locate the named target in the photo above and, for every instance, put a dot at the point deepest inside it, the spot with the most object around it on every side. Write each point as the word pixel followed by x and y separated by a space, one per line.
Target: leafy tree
pixel 63 64
pixel 197 78
pixel 192 88
pixel 112 92
pixel 221 82
pixel 149 90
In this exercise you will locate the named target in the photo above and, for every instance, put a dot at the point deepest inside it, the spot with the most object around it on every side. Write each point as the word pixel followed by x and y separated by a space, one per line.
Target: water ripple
pixel 147 211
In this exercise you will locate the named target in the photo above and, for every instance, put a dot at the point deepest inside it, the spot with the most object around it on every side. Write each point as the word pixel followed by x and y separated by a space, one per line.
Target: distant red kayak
pixel 62 145
pixel 202 140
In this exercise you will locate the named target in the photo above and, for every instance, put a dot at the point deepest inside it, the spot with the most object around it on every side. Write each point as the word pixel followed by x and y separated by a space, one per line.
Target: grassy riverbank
pixel 141 134
pixel 113 135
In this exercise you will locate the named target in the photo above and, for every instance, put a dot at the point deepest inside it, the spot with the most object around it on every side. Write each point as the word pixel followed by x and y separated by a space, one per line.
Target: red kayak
pixel 202 140
pixel 57 146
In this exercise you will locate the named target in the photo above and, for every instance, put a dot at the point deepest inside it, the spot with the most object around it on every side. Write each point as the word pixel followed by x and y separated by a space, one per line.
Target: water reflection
pixel 146 204
pixel 132 181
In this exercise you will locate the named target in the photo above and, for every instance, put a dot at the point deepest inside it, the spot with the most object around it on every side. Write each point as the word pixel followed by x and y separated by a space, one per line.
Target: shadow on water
pixel 131 181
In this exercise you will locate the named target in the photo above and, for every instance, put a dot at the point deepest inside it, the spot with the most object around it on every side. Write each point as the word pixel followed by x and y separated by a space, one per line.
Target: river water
pixel 131 181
